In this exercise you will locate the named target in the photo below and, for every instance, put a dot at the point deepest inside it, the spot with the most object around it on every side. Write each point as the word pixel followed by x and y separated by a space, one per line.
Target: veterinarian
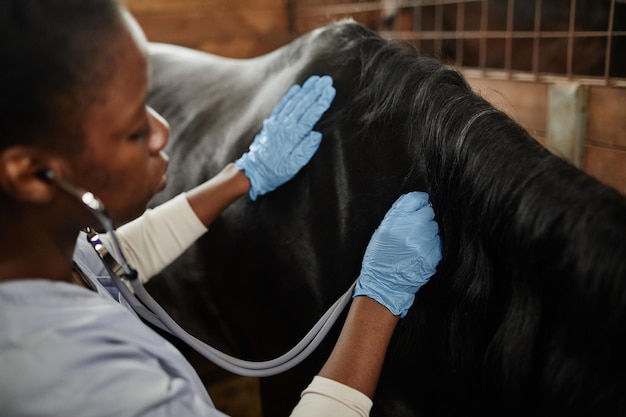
pixel 73 116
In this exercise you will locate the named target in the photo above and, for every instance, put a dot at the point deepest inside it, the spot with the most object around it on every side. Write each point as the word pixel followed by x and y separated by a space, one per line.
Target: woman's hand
pixel 402 254
pixel 287 143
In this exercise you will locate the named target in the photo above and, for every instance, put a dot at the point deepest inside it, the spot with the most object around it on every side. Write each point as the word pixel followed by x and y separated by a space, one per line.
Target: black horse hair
pixel 526 311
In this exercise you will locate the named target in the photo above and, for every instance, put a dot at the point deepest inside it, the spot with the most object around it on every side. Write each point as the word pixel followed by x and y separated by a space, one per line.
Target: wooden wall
pixel 604 147
pixel 232 28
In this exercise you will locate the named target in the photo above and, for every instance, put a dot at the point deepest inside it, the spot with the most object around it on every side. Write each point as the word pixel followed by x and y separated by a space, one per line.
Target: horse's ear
pixel 20 175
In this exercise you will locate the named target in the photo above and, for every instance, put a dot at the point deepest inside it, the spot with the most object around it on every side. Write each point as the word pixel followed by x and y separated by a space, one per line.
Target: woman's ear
pixel 20 175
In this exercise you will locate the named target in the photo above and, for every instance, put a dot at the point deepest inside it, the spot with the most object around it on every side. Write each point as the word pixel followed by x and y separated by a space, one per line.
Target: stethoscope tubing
pixel 151 311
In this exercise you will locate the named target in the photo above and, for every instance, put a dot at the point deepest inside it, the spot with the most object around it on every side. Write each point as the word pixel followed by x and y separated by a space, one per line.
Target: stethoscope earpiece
pixel 96 207
pixel 46 175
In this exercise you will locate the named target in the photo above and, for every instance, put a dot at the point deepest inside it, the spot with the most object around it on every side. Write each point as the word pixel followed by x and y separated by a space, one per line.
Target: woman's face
pixel 122 162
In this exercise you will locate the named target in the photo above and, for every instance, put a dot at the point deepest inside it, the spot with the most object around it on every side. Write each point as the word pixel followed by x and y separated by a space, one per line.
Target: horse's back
pixel 217 104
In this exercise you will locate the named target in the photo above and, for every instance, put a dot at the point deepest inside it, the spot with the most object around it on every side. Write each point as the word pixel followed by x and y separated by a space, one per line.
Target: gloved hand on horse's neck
pixel 402 254
pixel 287 143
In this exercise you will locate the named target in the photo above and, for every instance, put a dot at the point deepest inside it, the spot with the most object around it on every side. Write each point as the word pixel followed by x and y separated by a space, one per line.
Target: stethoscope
pixel 151 311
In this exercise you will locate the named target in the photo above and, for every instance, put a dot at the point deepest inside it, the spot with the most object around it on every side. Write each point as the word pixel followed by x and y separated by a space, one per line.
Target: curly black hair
pixel 53 55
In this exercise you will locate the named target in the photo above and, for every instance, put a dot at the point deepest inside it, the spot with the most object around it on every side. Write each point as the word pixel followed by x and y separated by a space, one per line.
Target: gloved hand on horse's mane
pixel 402 254
pixel 287 143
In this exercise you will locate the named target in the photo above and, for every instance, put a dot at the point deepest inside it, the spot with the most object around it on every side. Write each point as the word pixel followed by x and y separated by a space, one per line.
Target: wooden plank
pixel 607 165
pixel 305 23
pixel 198 29
pixel 605 146
pixel 525 102
pixel 244 47
pixel 138 7
pixel 219 25
pixel 606 117
pixel 605 150
pixel 567 121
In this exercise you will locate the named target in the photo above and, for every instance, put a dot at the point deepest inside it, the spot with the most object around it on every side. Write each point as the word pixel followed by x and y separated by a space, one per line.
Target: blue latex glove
pixel 287 143
pixel 402 254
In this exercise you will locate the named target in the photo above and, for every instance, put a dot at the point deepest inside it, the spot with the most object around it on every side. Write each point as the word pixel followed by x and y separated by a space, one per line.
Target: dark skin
pixel 123 164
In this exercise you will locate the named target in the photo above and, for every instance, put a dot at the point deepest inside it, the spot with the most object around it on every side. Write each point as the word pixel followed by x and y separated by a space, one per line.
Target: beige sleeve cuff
pixel 154 240
pixel 325 397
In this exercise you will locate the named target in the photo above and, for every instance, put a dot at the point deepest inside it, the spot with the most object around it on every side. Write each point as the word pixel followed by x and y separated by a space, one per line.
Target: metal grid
pixel 535 40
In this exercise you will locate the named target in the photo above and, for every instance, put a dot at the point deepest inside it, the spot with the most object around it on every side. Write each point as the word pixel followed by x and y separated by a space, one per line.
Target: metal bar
pixel 460 26
pixel 609 41
pixel 421 3
pixel 570 38
pixel 368 6
pixel 545 78
pixel 477 34
pixel 417 24
pixel 438 46
pixel 536 37
pixel 482 50
pixel 508 48
pixel 323 10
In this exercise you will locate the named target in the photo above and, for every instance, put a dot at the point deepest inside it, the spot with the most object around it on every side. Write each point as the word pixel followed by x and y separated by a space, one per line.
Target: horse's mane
pixel 528 305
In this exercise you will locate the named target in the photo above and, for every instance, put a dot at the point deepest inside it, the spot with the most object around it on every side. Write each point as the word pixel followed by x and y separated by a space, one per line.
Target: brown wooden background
pixel 605 134
pixel 233 28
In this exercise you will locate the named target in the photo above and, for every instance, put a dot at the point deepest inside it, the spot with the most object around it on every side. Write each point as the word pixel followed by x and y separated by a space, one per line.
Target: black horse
pixel 526 313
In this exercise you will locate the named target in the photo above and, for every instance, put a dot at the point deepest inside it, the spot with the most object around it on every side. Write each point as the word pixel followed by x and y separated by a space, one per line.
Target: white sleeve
pixel 325 397
pixel 154 240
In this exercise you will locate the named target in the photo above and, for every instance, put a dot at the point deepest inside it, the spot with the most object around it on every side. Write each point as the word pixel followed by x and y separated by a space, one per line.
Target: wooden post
pixel 567 120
